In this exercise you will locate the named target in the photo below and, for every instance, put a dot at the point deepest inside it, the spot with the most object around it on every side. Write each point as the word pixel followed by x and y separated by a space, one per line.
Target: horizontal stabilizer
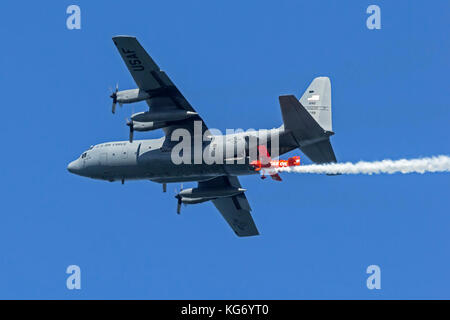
pixel 297 119
pixel 320 152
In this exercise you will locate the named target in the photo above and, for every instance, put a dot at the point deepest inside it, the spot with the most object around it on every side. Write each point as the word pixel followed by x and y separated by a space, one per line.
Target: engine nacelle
pixel 195 200
pixel 211 193
pixel 147 126
pixel 132 95
pixel 159 116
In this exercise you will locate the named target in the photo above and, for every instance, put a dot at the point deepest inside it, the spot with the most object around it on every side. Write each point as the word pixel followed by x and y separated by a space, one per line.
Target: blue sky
pixel 231 59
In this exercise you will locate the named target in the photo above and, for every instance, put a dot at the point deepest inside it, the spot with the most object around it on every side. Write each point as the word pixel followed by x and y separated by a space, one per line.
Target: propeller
pixel 130 124
pixel 114 97
pixel 179 198
pixel 178 203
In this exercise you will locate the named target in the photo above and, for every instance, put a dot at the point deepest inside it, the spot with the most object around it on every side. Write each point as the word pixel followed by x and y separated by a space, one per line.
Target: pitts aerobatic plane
pixel 307 126
pixel 266 164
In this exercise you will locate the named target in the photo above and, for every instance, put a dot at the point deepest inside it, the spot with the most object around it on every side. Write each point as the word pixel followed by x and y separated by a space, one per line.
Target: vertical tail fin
pixel 317 101
pixel 309 135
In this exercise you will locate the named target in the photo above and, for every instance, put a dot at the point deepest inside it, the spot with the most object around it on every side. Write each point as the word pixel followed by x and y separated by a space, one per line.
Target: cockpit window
pixel 83 155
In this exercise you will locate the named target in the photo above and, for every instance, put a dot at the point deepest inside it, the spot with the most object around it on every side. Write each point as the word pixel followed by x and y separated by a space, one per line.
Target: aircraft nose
pixel 73 167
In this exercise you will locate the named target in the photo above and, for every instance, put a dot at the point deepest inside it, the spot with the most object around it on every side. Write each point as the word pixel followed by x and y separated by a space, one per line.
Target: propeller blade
pixel 178 197
pixel 179 206
pixel 130 124
pixel 114 97
pixel 131 133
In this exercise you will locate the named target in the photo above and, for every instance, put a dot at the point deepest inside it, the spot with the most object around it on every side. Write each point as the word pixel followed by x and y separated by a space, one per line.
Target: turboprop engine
pixel 152 120
pixel 132 95
pixel 127 96
pixel 169 115
pixel 199 195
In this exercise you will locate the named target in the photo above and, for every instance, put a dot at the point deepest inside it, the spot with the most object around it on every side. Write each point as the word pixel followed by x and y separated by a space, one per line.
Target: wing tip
pixel 244 235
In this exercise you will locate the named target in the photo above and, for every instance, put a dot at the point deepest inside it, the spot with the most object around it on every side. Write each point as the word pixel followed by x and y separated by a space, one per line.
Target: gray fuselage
pixel 152 160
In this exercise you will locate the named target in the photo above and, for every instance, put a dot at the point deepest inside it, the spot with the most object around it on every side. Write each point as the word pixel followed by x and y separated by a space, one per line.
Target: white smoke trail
pixel 423 165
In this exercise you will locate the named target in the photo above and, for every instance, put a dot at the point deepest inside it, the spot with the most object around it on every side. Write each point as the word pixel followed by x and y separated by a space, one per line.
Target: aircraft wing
pixel 235 209
pixel 150 78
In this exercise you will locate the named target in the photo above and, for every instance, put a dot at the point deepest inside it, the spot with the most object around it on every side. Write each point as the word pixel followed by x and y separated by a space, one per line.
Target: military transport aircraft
pixel 307 126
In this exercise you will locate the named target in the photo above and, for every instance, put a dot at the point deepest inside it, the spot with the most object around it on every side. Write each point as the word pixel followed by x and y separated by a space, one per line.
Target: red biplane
pixel 265 164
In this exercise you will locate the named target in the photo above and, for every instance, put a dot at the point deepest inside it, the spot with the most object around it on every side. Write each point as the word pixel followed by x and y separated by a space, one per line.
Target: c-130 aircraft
pixel 306 125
